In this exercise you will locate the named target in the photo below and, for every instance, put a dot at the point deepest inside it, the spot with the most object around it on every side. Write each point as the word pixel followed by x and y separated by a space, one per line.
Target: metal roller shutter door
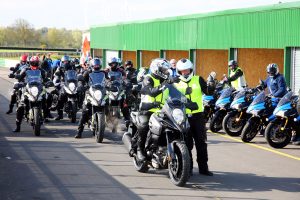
pixel 296 70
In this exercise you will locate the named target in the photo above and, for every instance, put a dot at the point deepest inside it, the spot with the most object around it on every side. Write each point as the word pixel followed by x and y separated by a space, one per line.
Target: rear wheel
pixel 100 127
pixel 216 122
pixel 276 137
pixel 179 168
pixel 140 166
pixel 250 130
pixel 37 121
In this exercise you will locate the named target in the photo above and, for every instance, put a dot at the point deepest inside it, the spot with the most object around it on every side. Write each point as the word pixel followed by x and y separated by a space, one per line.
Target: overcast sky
pixel 81 14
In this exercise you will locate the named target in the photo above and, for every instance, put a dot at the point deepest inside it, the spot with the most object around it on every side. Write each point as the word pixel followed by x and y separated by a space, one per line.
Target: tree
pixel 24 32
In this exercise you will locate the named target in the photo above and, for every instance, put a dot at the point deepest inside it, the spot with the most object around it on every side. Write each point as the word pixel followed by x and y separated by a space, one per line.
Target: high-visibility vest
pixel 149 99
pixel 240 82
pixel 195 96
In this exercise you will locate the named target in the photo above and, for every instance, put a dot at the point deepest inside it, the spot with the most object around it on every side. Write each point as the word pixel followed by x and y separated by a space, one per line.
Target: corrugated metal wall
pixel 275 26
pixel 255 61
pixel 211 60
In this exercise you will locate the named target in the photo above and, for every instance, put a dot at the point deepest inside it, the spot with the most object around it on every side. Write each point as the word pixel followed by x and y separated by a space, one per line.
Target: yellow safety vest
pixel 195 96
pixel 158 98
pixel 240 82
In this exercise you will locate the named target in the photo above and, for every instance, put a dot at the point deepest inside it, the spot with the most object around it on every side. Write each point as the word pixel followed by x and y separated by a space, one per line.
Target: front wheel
pixel 276 137
pixel 100 127
pixel 37 121
pixel 232 124
pixel 250 130
pixel 216 122
pixel 73 111
pixel 179 168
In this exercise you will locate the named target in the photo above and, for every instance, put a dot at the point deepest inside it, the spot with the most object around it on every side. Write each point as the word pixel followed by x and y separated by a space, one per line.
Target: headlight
pixel 72 86
pixel 34 91
pixel 98 95
pixel 178 116
pixel 280 113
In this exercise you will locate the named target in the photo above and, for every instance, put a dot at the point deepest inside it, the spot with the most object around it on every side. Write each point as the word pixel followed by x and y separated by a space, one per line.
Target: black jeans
pixel 198 136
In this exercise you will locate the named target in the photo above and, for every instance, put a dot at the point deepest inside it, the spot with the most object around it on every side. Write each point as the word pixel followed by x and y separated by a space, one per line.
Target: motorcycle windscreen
pixel 174 97
pixel 114 76
pixel 33 76
pixel 226 93
pixel 259 98
pixel 285 99
pixel 240 94
pixel 97 78
pixel 71 75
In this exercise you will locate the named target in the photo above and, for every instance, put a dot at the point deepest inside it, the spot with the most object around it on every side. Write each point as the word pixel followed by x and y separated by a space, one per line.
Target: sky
pixel 81 14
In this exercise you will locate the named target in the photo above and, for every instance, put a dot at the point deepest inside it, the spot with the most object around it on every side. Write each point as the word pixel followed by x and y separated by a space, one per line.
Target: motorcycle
pixel 165 144
pixel 261 110
pixel 116 95
pixel 97 98
pixel 34 92
pixel 279 131
pixel 236 119
pixel 70 88
pixel 222 107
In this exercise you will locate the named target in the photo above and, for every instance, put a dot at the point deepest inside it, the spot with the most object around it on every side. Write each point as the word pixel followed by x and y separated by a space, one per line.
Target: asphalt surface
pixel 57 166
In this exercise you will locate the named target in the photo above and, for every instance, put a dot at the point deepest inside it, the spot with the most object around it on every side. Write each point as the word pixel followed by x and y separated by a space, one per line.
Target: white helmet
pixel 184 64
pixel 160 67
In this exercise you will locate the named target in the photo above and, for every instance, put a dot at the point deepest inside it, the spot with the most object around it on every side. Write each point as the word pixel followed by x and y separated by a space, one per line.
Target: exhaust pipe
pixel 127 140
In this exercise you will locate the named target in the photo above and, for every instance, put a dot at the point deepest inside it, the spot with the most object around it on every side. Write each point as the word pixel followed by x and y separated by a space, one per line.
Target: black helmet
pixel 113 63
pixel 232 63
pixel 272 69
pixel 128 64
pixel 65 58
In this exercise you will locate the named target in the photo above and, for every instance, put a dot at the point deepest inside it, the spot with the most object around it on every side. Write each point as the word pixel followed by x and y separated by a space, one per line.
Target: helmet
pixel 160 68
pixel 23 58
pixel 129 64
pixel 34 62
pixel 113 63
pixel 185 64
pixel 76 62
pixel 272 69
pixel 96 63
pixel 65 58
pixel 232 63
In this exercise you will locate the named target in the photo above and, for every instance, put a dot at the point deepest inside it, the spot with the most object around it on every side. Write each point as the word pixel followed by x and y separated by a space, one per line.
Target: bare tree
pixel 24 32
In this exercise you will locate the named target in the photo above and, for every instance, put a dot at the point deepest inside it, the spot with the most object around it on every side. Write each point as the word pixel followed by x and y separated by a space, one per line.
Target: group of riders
pixel 144 92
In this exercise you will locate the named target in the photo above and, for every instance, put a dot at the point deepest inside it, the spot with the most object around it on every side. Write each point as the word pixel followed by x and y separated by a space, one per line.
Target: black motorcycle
pixel 97 98
pixel 165 144
pixel 70 88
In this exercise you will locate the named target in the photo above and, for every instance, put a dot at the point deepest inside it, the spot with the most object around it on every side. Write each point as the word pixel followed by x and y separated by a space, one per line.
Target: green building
pixel 254 37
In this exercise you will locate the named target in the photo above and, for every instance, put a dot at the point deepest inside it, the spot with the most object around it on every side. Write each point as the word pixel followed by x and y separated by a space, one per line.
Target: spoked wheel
pixel 276 137
pixel 179 168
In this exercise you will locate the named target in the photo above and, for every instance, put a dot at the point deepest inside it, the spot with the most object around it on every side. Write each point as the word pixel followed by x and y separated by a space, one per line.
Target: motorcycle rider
pixel 196 117
pixel 96 65
pixel 236 76
pixel 59 77
pixel 18 67
pixel 275 81
pixel 34 65
pixel 151 98
pixel 173 67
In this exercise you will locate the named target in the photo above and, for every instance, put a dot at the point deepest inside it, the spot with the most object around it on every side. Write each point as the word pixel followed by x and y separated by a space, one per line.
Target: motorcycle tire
pixel 36 121
pixel 273 131
pixel 250 130
pixel 100 127
pixel 140 166
pixel 229 120
pixel 179 169
pixel 73 111
pixel 216 122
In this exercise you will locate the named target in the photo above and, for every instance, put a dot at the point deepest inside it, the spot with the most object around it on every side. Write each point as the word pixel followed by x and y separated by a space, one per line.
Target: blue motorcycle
pixel 279 131
pixel 222 106
pixel 261 110
pixel 237 117
pixel 209 102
